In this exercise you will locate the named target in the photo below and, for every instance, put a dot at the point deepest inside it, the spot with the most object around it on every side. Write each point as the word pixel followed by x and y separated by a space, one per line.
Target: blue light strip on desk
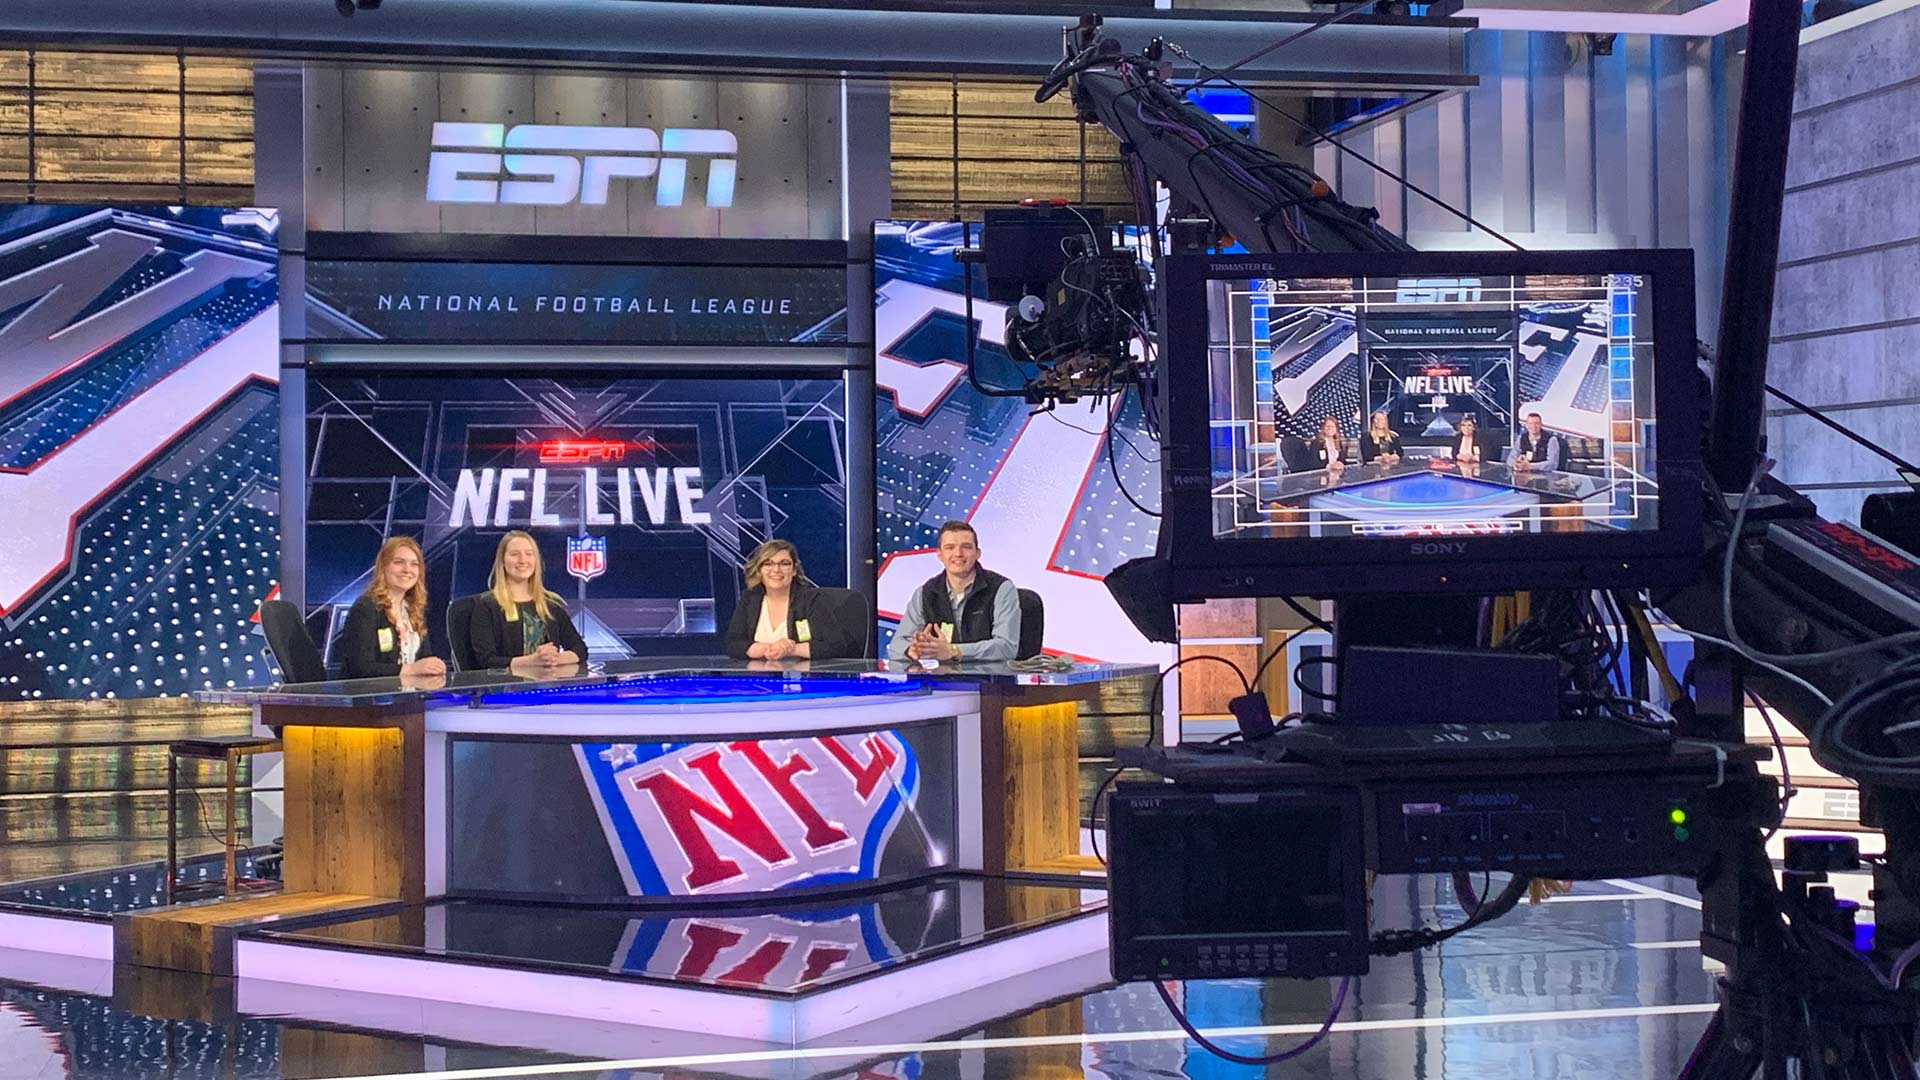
pixel 705 690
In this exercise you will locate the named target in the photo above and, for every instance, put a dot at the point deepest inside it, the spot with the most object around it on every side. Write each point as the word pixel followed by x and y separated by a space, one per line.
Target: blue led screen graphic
pixel 1039 488
pixel 664 486
pixel 139 448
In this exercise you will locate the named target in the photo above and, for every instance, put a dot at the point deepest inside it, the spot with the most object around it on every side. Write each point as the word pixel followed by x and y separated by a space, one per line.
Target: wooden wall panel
pixel 1207 686
pixel 221 116
pixel 958 149
pixel 13 109
pixel 359 827
pixel 114 128
pixel 106 160
pixel 142 113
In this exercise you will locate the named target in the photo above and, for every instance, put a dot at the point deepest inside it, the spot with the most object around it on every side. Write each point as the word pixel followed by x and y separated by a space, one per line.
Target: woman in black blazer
pixel 1379 443
pixel 518 624
pixel 1469 447
pixel 386 632
pixel 778 618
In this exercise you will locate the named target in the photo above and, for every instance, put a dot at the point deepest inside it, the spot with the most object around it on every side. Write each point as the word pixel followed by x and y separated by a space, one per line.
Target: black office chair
pixel 1033 624
pixel 846 607
pixel 287 638
pixel 460 632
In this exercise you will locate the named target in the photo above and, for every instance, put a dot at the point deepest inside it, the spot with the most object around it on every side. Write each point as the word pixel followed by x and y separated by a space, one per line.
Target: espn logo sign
pixel 552 165
pixel 1438 291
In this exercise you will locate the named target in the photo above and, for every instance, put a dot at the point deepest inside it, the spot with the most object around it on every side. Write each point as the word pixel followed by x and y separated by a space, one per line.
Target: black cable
pixel 1338 15
pixel 206 826
pixel 1153 717
pixel 1816 1064
pixel 1114 467
pixel 1320 136
pixel 1308 690
pixel 1840 740
pixel 1395 942
pixel 1780 752
pixel 1160 682
pixel 1339 1000
pixel 1615 629
pixel 1146 414
pixel 1093 813
pixel 1300 610
pixel 1278 651
pixel 1905 466
pixel 970 332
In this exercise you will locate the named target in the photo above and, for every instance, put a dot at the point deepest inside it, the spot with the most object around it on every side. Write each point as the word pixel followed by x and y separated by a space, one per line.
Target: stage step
pixel 199 937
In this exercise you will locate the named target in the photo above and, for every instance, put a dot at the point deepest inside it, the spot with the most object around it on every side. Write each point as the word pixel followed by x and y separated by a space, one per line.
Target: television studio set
pixel 749 540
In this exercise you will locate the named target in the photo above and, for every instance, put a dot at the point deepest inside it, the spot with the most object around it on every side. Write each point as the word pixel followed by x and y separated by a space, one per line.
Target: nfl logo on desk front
pixel 586 556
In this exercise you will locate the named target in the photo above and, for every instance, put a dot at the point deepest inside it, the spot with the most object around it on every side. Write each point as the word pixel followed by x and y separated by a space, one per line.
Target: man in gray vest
pixel 1537 448
pixel 966 612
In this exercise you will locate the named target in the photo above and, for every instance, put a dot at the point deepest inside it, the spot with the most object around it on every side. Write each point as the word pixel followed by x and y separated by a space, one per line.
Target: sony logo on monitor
pixel 1434 547
pixel 556 164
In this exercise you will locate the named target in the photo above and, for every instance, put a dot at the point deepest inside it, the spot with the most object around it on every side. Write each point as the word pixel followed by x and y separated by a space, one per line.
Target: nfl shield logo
pixel 586 556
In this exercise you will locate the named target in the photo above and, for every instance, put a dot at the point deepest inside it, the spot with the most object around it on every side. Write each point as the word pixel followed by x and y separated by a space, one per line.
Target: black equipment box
pixel 1250 867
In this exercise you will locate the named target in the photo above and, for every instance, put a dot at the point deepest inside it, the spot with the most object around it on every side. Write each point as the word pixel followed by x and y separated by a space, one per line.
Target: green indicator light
pixel 1677 816
pixel 1680 833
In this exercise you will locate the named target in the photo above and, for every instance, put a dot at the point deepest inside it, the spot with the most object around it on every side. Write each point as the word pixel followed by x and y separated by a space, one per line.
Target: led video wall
pixel 646 495
pixel 1038 488
pixel 139 432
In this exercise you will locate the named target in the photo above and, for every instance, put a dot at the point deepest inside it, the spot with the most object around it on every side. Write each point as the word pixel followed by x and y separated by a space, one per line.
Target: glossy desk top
pixel 477 686
pixel 1551 485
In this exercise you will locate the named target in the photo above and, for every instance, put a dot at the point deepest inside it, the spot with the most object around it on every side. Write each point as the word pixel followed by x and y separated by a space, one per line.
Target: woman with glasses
pixel 779 618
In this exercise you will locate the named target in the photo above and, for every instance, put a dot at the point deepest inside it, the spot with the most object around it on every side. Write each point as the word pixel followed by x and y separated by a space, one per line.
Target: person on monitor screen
pixel 966 612
pixel 1469 448
pixel 386 634
pixel 1537 448
pixel 779 618
pixel 1329 449
pixel 517 623
pixel 1379 444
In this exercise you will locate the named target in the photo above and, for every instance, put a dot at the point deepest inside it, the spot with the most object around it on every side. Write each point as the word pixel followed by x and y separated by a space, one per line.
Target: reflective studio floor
pixel 1606 982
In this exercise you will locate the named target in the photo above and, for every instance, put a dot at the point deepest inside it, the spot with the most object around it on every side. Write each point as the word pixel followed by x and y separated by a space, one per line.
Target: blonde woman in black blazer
pixel 518 624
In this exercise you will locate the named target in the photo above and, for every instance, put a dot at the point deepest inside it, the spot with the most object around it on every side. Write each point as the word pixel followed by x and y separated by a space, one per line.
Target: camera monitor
pixel 1240 884
pixel 1430 421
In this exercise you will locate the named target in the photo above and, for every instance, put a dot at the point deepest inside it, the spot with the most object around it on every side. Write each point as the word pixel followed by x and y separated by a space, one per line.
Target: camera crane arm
pixel 1266 203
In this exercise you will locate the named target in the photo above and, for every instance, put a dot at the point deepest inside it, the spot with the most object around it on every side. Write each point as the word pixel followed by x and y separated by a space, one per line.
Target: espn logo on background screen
pixel 1438 291
pixel 554 164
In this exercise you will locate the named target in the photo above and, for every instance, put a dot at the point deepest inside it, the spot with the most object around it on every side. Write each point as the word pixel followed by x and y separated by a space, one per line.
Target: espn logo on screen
pixel 1438 291
pixel 556 164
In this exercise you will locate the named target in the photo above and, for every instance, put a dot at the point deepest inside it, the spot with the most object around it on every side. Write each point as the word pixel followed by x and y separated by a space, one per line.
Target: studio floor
pixel 1606 982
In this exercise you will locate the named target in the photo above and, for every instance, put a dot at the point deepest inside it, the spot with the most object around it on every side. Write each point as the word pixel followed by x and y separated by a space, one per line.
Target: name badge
pixel 384 636
pixel 802 631
pixel 946 631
